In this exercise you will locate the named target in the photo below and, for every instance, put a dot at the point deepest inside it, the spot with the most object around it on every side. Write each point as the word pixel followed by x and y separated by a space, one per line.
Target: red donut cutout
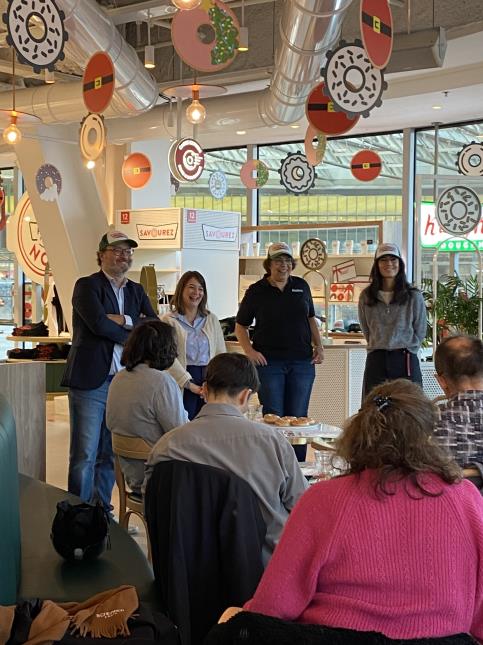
pixel 376 30
pixel 206 38
pixel 366 165
pixel 136 170
pixel 98 82
pixel 323 116
pixel 314 154
pixel 254 174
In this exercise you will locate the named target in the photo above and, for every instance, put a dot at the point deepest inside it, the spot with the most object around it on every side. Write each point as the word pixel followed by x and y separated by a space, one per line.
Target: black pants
pixel 388 365
pixel 193 402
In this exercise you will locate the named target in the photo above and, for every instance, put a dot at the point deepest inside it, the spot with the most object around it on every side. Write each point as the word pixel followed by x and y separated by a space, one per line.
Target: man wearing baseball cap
pixel 106 305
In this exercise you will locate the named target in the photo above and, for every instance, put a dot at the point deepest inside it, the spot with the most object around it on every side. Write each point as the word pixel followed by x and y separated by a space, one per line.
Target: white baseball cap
pixel 115 237
pixel 279 248
pixel 388 248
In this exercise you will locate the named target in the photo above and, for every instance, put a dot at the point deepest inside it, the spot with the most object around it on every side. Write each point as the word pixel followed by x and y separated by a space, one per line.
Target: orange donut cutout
pixel 136 170
pixel 206 38
pixel 314 154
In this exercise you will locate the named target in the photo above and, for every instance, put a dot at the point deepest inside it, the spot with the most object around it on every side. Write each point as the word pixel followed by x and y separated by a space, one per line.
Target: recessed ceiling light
pixel 437 107
pixel 241 131
pixel 294 125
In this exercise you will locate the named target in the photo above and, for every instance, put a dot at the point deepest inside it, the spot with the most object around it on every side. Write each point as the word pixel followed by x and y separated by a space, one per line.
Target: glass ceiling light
pixel 196 111
pixel 49 77
pixel 186 5
pixel 243 32
pixel 149 49
pixel 12 134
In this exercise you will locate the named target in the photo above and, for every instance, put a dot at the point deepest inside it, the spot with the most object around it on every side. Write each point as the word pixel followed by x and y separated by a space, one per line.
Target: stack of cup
pixel 335 247
pixel 256 249
pixel 295 249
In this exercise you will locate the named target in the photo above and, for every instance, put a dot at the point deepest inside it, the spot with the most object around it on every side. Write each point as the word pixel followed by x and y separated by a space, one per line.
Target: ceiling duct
pixel 308 29
pixel 418 50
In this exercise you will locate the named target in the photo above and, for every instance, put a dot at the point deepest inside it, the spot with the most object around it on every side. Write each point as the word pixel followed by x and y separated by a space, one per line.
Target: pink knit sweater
pixel 404 567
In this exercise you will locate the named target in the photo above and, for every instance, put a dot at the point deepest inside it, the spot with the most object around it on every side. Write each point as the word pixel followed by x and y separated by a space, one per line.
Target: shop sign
pixel 160 232
pixel 207 229
pixel 432 234
pixel 152 228
pixel 23 239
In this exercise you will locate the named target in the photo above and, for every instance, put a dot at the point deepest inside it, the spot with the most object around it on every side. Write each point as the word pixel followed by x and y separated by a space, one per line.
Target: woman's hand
pixel 196 389
pixel 318 355
pixel 256 357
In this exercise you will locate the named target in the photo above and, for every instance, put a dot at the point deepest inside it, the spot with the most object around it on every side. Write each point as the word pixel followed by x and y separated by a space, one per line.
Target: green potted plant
pixel 456 305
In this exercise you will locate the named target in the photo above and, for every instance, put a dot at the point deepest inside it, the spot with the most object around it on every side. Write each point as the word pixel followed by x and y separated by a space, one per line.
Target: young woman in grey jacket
pixel 392 315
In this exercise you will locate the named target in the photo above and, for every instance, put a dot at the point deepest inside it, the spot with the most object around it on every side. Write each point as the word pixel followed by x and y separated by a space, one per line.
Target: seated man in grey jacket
pixel 221 436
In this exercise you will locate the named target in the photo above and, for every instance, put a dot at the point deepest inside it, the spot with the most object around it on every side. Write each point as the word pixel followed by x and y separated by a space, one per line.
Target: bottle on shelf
pixel 163 301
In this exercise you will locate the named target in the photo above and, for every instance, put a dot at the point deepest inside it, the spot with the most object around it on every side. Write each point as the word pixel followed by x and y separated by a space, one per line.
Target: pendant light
pixel 196 111
pixel 243 32
pixel 12 134
pixel 186 5
pixel 149 49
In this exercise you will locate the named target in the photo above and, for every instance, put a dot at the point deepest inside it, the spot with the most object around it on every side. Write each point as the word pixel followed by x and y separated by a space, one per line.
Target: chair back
pixel 9 507
pixel 130 447
pixel 207 533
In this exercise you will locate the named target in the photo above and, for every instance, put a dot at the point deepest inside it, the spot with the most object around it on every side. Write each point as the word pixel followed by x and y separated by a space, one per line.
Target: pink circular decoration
pixel 219 46
pixel 254 174
pixel 314 154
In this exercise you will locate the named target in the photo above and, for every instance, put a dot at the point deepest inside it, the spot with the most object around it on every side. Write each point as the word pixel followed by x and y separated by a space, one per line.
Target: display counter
pixel 23 385
pixel 336 394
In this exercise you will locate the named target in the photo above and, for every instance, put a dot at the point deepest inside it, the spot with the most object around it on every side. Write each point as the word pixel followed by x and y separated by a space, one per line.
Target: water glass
pixel 324 468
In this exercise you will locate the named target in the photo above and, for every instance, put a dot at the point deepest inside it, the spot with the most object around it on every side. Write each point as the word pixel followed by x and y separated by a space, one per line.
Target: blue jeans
pixel 91 461
pixel 285 389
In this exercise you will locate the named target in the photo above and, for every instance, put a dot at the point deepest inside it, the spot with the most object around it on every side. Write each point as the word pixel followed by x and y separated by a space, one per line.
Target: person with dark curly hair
pixel 392 315
pixel 144 399
pixel 389 552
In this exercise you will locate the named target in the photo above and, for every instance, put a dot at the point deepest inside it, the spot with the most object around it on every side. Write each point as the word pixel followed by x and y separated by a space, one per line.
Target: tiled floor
pixel 58 455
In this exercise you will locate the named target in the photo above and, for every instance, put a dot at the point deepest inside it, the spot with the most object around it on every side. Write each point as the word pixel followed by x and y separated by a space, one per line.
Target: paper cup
pixel 256 248
pixel 364 247
pixel 295 249
pixel 244 249
pixel 349 247
pixel 335 247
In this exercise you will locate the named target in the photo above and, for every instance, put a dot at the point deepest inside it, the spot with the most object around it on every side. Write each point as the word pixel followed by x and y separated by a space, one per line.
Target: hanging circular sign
pixel 376 31
pixel 314 154
pixel 366 165
pixel 254 174
pixel 48 182
pixel 92 136
pixel 3 215
pixel 296 174
pixel 98 82
pixel 313 254
pixel 323 116
pixel 218 184
pixel 136 170
pixel 353 84
pixel 186 160
pixel 36 32
pixel 470 160
pixel 206 38
pixel 23 238
pixel 458 210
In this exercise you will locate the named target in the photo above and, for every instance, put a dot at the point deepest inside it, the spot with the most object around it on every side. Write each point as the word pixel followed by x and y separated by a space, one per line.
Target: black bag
pixel 80 531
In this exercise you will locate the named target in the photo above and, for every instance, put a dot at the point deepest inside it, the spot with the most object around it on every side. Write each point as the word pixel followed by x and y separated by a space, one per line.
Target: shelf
pixel 58 361
pixel 40 339
pixel 330 256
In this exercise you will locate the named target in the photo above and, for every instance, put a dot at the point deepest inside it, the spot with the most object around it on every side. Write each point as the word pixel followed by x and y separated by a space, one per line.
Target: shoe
pixel 132 529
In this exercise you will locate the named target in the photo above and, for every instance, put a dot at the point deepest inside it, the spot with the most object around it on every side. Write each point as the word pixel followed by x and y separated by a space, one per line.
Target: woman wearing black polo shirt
pixel 286 340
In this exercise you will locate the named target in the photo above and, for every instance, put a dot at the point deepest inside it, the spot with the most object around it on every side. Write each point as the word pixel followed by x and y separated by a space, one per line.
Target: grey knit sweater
pixel 394 326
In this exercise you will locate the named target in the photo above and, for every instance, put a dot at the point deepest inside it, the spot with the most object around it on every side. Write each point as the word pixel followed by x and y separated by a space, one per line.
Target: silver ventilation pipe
pixel 91 30
pixel 308 29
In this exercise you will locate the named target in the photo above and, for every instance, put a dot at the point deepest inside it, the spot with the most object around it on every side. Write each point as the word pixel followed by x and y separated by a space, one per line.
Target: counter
pixel 336 394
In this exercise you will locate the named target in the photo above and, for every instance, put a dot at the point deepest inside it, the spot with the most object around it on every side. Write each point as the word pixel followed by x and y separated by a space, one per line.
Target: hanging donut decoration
pixel 48 182
pixel 323 116
pixel 366 165
pixel 314 154
pixel 206 37
pixel 98 82
pixel 254 174
pixel 297 176
pixel 470 160
pixel 313 254
pixel 3 215
pixel 351 81
pixel 377 31
pixel 136 170
pixel 35 29
pixel 218 184
pixel 92 137
pixel 458 210
pixel 186 160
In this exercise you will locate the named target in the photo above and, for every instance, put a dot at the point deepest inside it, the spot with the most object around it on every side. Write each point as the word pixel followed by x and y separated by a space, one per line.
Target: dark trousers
pixel 193 402
pixel 387 365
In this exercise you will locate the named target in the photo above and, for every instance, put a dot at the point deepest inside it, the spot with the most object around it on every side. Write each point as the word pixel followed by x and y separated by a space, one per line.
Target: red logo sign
pixel 125 217
pixel 98 82
pixel 366 165
pixel 321 113
pixel 191 217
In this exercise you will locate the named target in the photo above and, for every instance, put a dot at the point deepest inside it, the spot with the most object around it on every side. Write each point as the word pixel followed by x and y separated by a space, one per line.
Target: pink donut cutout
pixel 206 56
pixel 314 154
pixel 254 174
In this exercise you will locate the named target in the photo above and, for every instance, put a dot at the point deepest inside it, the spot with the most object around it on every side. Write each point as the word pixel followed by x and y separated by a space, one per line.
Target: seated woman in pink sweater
pixel 395 547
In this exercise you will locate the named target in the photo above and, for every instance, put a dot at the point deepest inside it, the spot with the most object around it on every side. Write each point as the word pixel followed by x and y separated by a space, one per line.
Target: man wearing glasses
pixel 106 305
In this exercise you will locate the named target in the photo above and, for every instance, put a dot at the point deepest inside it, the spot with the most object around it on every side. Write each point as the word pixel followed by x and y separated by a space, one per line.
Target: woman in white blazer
pixel 199 337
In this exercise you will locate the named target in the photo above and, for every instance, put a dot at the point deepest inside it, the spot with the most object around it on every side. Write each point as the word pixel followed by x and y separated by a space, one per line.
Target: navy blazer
pixel 94 335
